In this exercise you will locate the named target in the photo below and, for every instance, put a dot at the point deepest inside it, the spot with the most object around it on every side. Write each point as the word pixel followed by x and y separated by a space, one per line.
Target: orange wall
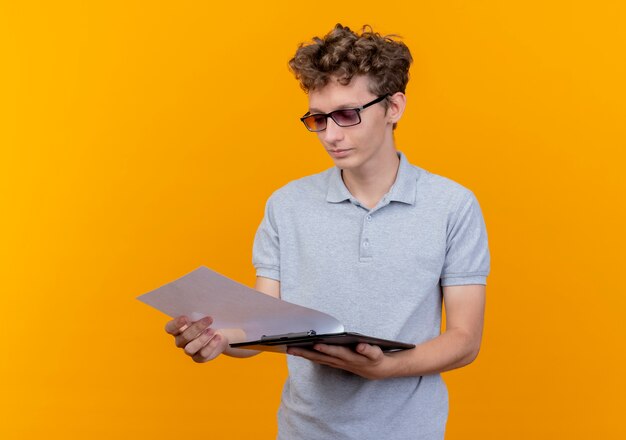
pixel 140 140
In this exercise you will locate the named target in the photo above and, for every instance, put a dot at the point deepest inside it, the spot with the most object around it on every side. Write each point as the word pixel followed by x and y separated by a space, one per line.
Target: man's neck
pixel 369 185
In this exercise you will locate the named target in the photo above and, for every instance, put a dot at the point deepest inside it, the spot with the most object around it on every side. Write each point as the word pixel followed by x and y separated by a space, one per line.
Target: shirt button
pixel 366 243
pixel 369 218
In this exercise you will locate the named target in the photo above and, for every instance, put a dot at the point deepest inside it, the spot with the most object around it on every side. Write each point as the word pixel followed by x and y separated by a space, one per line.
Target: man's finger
pixel 312 355
pixel 211 350
pixel 336 351
pixel 196 345
pixel 177 325
pixel 193 331
pixel 372 352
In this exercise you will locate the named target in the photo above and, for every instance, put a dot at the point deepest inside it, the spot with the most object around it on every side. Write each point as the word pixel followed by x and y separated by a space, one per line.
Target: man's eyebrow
pixel 341 107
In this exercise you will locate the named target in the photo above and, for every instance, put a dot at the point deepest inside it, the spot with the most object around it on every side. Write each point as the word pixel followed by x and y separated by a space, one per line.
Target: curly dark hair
pixel 342 54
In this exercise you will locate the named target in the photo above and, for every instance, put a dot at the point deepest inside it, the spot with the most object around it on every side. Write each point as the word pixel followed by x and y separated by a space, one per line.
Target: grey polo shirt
pixel 379 272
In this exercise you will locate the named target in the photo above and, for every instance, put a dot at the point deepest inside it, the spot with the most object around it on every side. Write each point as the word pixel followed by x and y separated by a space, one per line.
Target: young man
pixel 375 242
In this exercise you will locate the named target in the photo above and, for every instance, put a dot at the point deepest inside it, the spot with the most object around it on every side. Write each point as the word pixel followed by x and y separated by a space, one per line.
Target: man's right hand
pixel 199 341
pixel 203 343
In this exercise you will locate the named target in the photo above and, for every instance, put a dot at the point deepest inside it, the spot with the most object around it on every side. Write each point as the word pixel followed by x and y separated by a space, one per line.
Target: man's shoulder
pixel 304 189
pixel 435 190
pixel 435 186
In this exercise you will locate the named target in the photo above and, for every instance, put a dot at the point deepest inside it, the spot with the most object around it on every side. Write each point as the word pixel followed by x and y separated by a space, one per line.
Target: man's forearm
pixel 454 348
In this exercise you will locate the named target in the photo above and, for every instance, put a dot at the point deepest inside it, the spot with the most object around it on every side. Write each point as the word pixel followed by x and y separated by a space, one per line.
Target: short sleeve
pixel 266 248
pixel 467 258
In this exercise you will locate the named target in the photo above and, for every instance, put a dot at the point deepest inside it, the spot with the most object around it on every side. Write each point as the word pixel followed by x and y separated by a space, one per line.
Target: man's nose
pixel 333 131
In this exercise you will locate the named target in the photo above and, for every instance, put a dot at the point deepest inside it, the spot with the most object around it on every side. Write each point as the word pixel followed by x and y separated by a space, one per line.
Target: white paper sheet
pixel 204 292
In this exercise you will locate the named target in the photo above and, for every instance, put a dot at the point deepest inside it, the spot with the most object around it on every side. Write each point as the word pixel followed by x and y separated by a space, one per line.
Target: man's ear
pixel 396 106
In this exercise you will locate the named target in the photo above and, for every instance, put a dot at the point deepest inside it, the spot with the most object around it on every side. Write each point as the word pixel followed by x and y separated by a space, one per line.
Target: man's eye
pixel 346 117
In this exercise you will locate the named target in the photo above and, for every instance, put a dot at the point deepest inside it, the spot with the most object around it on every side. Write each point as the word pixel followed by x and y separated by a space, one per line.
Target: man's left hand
pixel 366 360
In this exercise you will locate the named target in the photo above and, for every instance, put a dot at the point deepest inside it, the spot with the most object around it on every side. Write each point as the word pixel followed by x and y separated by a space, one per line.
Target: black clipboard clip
pixel 288 336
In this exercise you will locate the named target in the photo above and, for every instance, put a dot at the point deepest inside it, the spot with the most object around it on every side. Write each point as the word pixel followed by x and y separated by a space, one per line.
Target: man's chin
pixel 344 164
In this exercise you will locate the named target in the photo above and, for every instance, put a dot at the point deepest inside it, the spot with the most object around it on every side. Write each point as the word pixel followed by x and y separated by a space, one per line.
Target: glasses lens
pixel 346 118
pixel 315 122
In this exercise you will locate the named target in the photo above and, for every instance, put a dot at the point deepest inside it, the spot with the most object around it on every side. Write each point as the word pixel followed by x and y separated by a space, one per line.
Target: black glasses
pixel 345 117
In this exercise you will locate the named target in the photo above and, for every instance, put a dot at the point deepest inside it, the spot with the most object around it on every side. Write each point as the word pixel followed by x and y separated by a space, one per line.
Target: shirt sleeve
pixel 266 248
pixel 467 258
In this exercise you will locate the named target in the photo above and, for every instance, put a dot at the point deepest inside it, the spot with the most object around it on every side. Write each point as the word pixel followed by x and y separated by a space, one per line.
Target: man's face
pixel 357 147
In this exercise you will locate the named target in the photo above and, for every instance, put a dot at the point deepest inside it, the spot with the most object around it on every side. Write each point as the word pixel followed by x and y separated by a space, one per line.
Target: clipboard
pixel 204 292
pixel 280 343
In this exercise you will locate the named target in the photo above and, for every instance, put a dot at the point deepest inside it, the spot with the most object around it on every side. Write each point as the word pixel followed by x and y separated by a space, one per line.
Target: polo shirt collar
pixel 337 191
pixel 403 189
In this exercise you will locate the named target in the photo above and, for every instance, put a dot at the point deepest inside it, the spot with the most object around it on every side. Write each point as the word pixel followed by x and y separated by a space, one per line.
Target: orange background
pixel 140 140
